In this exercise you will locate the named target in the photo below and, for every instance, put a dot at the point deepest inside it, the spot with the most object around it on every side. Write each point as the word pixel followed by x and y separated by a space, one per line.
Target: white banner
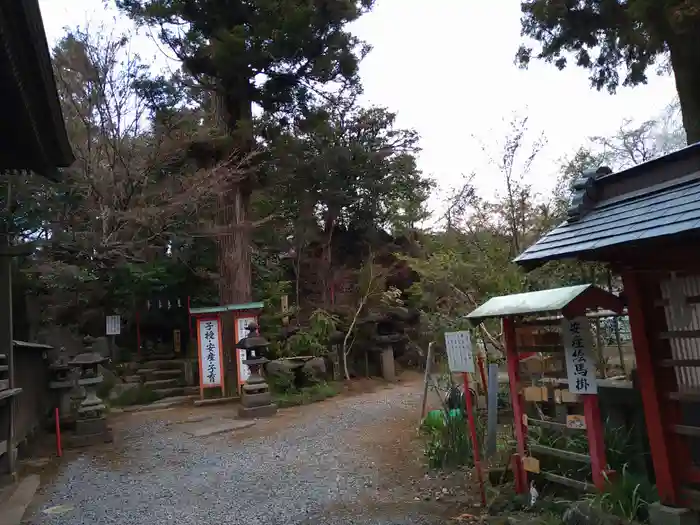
pixel 113 325
pixel 209 352
pixel 242 331
pixel 580 361
pixel 459 352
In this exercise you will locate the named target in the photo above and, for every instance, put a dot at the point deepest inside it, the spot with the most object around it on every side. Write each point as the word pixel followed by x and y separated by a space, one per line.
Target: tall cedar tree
pixel 618 40
pixel 272 53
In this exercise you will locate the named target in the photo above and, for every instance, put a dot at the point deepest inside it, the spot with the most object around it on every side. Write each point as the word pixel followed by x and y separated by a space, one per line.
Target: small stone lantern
pixel 63 383
pixel 256 400
pixel 91 422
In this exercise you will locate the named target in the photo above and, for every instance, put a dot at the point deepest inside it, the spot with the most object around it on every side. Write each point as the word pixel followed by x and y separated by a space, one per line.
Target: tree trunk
pixel 685 58
pixel 235 286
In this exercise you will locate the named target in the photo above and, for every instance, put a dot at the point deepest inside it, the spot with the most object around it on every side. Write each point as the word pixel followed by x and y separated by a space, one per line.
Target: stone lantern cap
pixel 254 340
pixel 88 359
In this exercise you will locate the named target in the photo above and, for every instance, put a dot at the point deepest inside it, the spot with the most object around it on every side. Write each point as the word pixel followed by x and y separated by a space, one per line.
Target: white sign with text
pixel 459 352
pixel 580 360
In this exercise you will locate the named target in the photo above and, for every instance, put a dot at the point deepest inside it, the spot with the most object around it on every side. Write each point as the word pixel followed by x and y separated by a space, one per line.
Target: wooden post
pixel 475 439
pixel 651 393
pixel 426 381
pixel 6 323
pixel 596 439
pixel 518 403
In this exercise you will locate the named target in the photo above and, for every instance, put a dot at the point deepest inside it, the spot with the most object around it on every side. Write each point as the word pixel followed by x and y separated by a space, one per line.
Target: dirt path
pixel 354 459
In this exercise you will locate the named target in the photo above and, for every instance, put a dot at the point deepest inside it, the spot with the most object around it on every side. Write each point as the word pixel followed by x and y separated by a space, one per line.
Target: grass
pixel 306 395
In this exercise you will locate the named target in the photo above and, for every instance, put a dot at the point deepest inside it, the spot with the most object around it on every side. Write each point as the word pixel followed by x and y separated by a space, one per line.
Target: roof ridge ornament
pixel 585 193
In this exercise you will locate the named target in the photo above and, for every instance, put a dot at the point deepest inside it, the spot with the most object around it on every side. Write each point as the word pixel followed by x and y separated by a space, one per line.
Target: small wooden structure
pixel 32 138
pixel 243 314
pixel 516 313
pixel 644 223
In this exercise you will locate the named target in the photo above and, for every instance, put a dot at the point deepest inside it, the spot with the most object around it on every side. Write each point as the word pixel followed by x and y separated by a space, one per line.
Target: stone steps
pixel 163 383
pixel 176 391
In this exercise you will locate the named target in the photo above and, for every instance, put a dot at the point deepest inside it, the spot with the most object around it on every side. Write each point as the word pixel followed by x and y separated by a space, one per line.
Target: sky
pixel 446 67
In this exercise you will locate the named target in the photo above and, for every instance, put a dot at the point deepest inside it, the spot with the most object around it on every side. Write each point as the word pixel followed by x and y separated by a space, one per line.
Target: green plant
pixel 282 381
pixel 307 395
pixel 312 340
pixel 448 444
pixel 627 496
pixel 139 395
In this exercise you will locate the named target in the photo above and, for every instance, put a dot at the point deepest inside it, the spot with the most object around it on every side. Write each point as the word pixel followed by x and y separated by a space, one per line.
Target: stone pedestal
pixel 256 400
pixel 388 365
pixel 62 383
pixel 661 515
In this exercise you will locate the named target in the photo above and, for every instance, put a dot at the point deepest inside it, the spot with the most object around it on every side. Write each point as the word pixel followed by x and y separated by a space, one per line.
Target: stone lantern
pixel 256 400
pixel 91 422
pixel 63 383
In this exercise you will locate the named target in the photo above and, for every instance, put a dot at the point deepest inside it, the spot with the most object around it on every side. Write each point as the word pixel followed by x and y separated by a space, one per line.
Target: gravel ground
pixel 349 460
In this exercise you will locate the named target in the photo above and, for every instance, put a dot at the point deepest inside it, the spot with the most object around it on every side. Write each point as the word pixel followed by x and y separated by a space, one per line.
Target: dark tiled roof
pixel 666 209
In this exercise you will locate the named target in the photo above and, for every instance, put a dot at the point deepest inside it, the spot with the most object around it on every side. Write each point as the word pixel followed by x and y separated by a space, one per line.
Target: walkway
pixel 349 460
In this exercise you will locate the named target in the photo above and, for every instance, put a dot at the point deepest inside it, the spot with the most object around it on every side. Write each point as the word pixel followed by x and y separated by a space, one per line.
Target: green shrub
pixel 139 395
pixel 448 444
pixel 627 496
pixel 282 381
pixel 307 395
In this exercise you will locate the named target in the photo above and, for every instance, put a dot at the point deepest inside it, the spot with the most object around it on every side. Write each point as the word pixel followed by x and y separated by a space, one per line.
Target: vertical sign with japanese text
pixel 209 352
pixel 580 361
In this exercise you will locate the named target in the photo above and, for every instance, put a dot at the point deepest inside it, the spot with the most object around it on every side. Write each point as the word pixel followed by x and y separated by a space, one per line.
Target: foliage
pixel 140 395
pixel 627 496
pixel 448 443
pixel 307 395
pixel 618 41
pixel 313 340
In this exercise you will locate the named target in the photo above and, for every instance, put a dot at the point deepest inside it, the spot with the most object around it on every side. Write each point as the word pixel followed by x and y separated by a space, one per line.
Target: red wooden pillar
pixel 518 404
pixel 596 439
pixel 652 393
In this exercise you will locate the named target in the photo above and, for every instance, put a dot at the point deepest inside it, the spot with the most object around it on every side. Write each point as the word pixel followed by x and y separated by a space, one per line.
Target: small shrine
pixel 256 400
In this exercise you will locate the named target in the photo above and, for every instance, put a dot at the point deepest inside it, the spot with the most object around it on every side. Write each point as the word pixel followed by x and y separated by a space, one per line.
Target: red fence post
pixel 596 439
pixel 650 390
pixel 518 404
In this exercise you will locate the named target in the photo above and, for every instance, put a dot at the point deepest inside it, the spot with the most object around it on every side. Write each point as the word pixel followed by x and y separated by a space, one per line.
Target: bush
pixel 448 442
pixel 307 395
pixel 627 496
pixel 139 395
pixel 282 381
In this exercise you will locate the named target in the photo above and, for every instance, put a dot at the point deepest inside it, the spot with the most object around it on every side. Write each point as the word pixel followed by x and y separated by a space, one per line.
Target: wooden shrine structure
pixel 644 223
pixel 519 314
pixel 32 138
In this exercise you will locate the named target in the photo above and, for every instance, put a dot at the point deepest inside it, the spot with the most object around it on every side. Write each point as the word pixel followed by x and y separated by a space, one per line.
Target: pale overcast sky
pixel 446 67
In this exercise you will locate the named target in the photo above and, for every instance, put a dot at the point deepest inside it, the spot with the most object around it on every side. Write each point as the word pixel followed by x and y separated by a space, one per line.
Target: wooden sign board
pixel 576 421
pixel 459 352
pixel 531 464
pixel 568 397
pixel 177 341
pixel 536 393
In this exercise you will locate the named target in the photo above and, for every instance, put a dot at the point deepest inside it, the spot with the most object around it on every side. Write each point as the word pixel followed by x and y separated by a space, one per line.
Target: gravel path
pixel 350 460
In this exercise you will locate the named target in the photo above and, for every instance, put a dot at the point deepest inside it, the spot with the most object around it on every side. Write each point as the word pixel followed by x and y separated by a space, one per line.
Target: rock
pixel 314 370
pixel 100 345
pixel 120 388
pixel 280 375
pixel 584 513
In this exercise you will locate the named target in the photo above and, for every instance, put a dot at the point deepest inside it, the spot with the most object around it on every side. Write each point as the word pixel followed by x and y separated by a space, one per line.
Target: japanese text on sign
pixel 209 352
pixel 459 352
pixel 580 362
pixel 113 325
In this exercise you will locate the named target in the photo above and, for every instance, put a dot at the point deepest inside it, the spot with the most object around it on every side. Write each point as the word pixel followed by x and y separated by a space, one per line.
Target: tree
pixel 271 53
pixel 123 213
pixel 342 166
pixel 618 41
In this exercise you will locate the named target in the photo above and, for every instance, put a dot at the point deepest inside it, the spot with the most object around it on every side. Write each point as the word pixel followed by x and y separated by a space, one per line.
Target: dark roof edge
pixel 689 151
pixel 38 71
